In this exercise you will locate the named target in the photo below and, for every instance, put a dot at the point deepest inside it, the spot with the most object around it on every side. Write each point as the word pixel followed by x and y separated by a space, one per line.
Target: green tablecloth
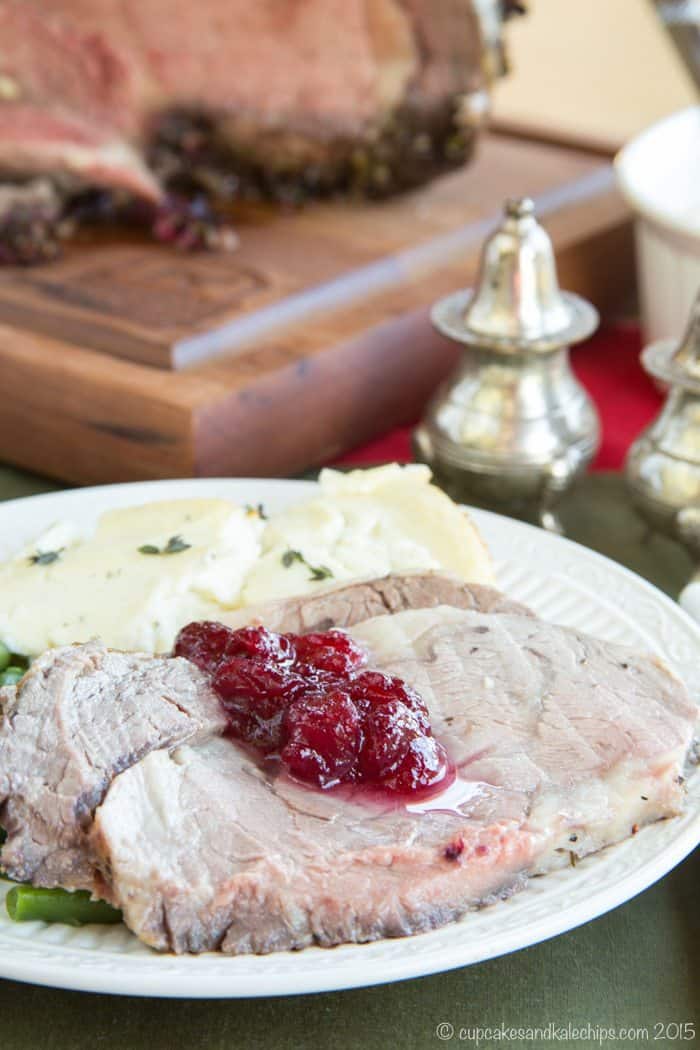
pixel 638 966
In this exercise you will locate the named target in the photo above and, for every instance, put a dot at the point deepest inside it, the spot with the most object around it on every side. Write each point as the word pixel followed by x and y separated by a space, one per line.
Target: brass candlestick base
pixel 512 428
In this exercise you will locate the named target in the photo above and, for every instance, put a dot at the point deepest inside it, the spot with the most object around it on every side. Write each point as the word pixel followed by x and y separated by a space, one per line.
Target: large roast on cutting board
pixel 289 97
pixel 115 776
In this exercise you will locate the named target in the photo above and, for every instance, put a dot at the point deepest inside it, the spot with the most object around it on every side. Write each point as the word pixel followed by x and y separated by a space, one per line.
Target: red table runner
pixel 607 365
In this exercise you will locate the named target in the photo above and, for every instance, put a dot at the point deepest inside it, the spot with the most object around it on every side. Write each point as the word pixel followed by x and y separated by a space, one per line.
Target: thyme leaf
pixel 46 557
pixel 318 572
pixel 290 556
pixel 258 510
pixel 174 545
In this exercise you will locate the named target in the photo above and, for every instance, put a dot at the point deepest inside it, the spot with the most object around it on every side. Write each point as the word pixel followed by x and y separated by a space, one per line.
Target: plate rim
pixel 199 984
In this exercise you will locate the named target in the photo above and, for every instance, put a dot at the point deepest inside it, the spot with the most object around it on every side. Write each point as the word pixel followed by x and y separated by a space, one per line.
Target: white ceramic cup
pixel 658 174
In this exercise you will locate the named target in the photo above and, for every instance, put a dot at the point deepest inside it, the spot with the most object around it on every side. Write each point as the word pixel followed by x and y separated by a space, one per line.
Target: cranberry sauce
pixel 311 701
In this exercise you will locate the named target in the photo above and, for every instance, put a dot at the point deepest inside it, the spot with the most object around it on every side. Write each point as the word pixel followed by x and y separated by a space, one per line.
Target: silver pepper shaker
pixel 512 428
pixel 663 464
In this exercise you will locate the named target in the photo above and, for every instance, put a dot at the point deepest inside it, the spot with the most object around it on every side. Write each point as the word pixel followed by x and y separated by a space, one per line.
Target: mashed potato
pixel 105 586
pixel 146 571
pixel 362 524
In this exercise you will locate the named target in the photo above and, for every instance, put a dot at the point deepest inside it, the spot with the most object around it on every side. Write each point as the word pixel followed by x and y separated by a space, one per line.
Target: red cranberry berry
pixel 373 687
pixel 425 764
pixel 323 738
pixel 332 651
pixel 208 644
pixel 204 643
pixel 254 695
pixel 259 644
pixel 387 730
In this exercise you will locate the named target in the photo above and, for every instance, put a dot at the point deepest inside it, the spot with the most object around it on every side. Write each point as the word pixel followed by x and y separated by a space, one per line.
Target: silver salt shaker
pixel 663 464
pixel 512 428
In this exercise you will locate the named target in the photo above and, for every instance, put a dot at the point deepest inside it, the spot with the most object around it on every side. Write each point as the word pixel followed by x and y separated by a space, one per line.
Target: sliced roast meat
pixel 288 98
pixel 241 863
pixel 563 745
pixel 349 603
pixel 67 102
pixel 81 715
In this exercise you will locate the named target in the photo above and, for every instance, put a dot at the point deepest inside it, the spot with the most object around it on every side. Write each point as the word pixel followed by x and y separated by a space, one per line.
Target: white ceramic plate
pixel 561 581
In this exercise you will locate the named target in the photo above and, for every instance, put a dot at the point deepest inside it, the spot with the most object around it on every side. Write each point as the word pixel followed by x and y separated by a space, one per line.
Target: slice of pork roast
pixel 346 604
pixel 80 716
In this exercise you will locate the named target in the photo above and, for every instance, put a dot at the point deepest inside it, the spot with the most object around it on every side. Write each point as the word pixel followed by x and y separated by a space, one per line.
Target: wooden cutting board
pixel 126 360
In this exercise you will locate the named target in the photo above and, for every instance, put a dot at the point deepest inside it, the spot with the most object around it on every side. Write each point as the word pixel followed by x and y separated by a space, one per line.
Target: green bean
pixel 11 675
pixel 5 656
pixel 31 904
